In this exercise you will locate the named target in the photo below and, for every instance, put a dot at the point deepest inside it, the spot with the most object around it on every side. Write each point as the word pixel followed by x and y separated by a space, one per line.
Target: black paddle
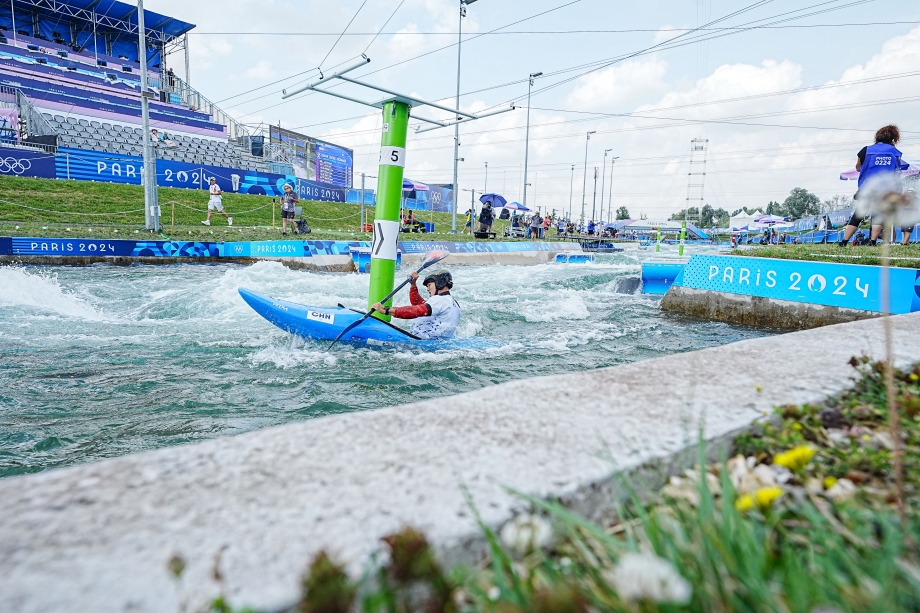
pixel 432 257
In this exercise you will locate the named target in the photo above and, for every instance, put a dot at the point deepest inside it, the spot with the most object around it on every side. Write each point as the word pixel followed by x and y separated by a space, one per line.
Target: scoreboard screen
pixel 333 164
pixel 314 159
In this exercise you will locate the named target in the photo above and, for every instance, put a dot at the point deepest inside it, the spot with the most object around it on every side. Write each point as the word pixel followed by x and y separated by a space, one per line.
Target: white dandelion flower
pixel 643 576
pixel 526 533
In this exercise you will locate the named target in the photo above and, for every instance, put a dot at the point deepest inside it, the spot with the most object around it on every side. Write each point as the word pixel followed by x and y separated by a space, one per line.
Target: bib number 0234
pixel 393 156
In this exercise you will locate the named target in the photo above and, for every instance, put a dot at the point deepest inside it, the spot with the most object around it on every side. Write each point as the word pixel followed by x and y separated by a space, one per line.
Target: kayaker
pixel 435 318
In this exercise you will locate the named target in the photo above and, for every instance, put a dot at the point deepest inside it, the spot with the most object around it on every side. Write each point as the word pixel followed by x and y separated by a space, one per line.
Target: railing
pixel 31 122
pixel 36 125
pixel 192 98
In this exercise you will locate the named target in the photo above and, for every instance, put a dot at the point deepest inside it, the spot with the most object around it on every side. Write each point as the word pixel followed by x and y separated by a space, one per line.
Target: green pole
pixel 683 235
pixel 389 192
pixel 658 240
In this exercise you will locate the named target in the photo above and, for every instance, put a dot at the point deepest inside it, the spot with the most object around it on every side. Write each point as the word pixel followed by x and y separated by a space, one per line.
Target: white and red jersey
pixel 215 192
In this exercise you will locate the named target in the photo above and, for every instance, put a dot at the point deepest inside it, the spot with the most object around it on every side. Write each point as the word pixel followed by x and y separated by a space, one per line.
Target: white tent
pixel 740 221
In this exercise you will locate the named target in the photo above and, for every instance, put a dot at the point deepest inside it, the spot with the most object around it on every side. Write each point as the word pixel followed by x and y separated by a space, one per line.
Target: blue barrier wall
pixel 484 247
pixel 107 247
pixel 24 163
pixel 851 286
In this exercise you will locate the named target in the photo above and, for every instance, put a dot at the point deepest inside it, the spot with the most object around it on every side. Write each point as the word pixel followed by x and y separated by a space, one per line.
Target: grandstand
pixel 71 72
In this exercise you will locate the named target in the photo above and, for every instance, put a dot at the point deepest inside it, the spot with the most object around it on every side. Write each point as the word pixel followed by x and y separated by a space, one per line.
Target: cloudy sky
pixel 785 91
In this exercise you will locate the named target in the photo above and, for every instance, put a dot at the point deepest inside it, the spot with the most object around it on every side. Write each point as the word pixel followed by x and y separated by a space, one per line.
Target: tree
pixel 838 202
pixel 747 211
pixel 622 213
pixel 705 218
pixel 801 203
pixel 775 208
pixel 691 213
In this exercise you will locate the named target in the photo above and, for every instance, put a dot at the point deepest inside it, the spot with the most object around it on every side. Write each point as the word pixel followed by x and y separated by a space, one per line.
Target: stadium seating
pixel 128 140
pixel 95 104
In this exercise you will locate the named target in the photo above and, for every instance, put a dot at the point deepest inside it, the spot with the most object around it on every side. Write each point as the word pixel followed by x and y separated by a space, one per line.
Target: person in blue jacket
pixel 882 157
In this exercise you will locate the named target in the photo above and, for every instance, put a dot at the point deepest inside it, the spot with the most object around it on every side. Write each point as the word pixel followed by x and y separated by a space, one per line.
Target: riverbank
pixel 258 507
pixel 812 488
pixel 902 256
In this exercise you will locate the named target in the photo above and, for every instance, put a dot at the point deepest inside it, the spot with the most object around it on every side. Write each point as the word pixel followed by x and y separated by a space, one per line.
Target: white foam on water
pixel 291 357
pixel 562 304
pixel 453 355
pixel 43 292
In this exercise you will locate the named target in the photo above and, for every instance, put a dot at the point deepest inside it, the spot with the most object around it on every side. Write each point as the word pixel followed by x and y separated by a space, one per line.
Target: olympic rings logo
pixel 12 165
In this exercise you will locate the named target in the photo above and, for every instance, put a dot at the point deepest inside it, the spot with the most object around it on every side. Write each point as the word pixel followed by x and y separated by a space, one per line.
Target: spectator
pixel 469 222
pixel 486 217
pixel 880 158
pixel 535 225
pixel 546 222
pixel 288 202
pixel 215 203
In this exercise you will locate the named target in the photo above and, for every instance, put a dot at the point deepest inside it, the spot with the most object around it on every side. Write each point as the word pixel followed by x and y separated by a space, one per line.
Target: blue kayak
pixel 325 323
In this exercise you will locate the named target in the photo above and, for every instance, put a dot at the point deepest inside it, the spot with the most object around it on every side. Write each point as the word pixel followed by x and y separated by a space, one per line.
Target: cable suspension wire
pixel 675 42
pixel 534 16
pixel 536 32
pixel 393 14
pixel 320 67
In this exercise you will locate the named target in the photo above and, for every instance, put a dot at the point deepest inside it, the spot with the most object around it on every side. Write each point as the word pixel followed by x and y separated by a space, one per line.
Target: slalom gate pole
pixel 683 235
pixel 389 193
pixel 658 240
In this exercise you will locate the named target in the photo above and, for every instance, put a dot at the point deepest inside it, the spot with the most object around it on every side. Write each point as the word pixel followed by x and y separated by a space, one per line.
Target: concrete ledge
pixel 756 311
pixel 508 258
pixel 98 537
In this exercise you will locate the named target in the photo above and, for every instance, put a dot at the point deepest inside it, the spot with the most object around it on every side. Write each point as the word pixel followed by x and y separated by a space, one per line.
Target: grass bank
pixel 801 520
pixel 907 256
pixel 52 208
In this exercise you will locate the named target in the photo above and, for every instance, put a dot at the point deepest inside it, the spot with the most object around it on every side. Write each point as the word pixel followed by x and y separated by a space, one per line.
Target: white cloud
pixel 628 81
pixel 262 70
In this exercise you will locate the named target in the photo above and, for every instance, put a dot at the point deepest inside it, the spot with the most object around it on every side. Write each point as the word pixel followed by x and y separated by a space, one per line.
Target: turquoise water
pixel 103 361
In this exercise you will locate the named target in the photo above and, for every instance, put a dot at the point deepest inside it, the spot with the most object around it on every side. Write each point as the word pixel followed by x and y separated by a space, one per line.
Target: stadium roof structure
pixel 110 17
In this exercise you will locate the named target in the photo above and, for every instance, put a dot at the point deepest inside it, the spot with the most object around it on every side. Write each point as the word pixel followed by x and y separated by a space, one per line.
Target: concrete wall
pixel 755 310
pixel 98 537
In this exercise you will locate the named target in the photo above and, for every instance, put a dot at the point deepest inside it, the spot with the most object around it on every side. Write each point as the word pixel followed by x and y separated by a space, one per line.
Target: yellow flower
pixel 766 496
pixel 914 377
pixel 795 459
pixel 829 482
pixel 763 499
pixel 796 426
pixel 744 503
pixel 758 388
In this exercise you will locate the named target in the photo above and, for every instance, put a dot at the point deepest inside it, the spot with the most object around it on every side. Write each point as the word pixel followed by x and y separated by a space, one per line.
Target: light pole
pixel 151 215
pixel 463 5
pixel 571 190
pixel 485 185
pixel 613 161
pixel 527 133
pixel 603 178
pixel 584 183
pixel 594 202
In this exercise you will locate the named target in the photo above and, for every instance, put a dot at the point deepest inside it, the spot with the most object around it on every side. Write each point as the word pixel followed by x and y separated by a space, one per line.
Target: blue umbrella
pixel 515 206
pixel 496 200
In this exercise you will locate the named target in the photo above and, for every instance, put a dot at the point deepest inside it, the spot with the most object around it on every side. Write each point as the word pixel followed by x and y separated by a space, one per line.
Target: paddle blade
pixel 347 329
pixel 433 257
